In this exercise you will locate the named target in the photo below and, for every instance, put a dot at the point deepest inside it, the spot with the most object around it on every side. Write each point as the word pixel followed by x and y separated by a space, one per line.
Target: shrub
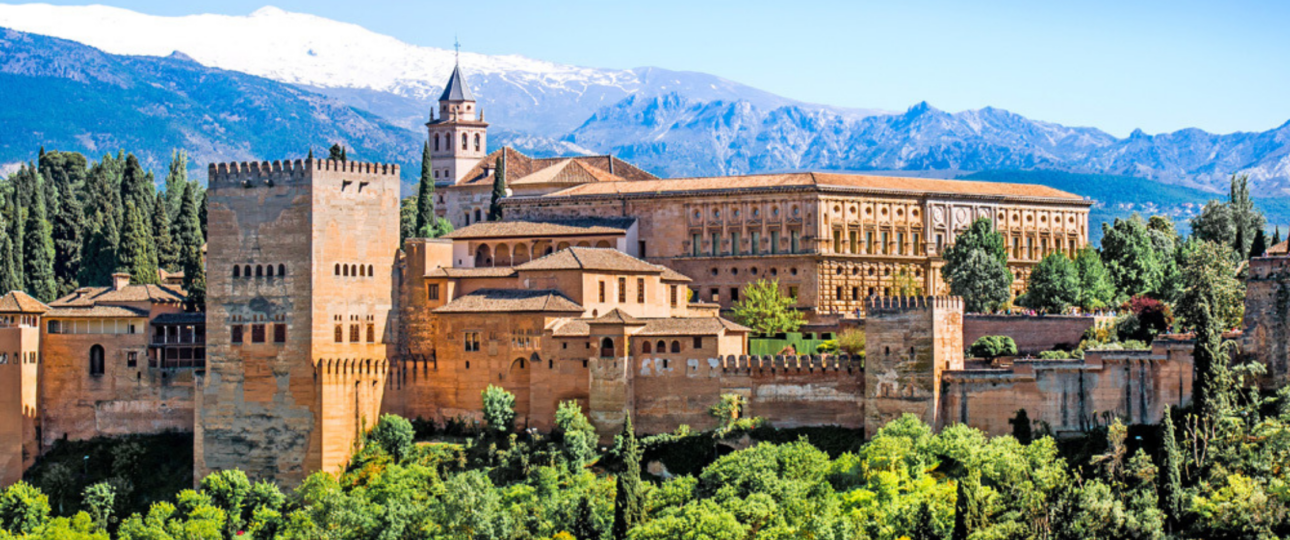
pixel 852 342
pixel 499 409
pixel 394 434
pixel 992 346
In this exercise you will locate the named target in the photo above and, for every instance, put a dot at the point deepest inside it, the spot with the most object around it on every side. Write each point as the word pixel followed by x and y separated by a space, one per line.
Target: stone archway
pixel 521 254
pixel 483 256
pixel 502 255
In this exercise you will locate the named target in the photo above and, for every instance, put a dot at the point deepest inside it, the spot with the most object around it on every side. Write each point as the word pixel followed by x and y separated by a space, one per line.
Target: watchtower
pixel 910 342
pixel 299 295
pixel 459 137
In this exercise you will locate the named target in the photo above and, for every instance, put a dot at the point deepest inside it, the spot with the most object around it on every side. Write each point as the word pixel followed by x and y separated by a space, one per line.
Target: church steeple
pixel 458 138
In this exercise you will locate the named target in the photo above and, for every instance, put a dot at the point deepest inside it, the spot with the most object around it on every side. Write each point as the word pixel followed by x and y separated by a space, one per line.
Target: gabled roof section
pixel 456 89
pixel 90 296
pixel 543 227
pixel 566 171
pixel 513 301
pixel 1282 248
pixel 21 302
pixel 617 316
pixel 585 258
pixel 481 272
pixel 873 183
pixel 96 312
pixel 519 166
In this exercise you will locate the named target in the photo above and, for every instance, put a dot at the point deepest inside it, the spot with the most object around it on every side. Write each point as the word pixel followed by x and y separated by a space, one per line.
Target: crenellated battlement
pixel 256 171
pixel 745 365
pixel 350 367
pixel 909 303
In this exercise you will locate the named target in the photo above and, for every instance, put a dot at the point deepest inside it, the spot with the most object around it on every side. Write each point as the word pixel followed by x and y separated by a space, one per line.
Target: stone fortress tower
pixel 910 343
pixel 300 294
pixel 459 137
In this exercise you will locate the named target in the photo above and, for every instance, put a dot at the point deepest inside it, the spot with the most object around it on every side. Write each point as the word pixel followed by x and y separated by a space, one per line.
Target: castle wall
pixel 1267 317
pixel 332 226
pixel 909 343
pixel 1073 395
pixel 1032 334
pixel 19 445
pixel 126 399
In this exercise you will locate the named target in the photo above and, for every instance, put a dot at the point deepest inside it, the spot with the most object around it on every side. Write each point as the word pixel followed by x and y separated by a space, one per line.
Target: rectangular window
pixel 280 333
pixel 340 333
pixel 734 294
pixel 792 293
pixel 886 243
pixel 734 243
pixel 257 333
pixel 855 293
pixel 640 246
pixel 837 241
pixel 353 333
pixel 940 243
pixel 432 291
pixel 756 243
pixel 855 242
pixel 237 333
pixel 672 292
pixel 602 292
pixel 131 359
pixel 1030 248
pixel 54 327
pixel 714 294
pixel 918 240
pixel 1016 247
pixel 622 290
pixel 640 290
pixel 716 244
pixel 774 242
pixel 694 245
pixel 900 243
pixel 793 242
pixel 472 341
pixel 868 242
pixel 371 333
pixel 698 342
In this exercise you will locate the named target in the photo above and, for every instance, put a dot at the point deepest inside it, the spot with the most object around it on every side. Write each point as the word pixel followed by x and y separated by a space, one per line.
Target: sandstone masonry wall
pixel 1032 334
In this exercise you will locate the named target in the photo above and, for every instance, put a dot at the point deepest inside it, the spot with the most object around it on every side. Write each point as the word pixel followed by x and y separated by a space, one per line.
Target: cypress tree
pixel 201 211
pixel 1021 428
pixel 38 254
pixel 189 237
pixel 343 154
pixel 1276 236
pixel 310 157
pixel 628 504
pixel 1171 494
pixel 499 190
pixel 136 255
pixel 167 249
pixel 1259 245
pixel 136 188
pixel 334 153
pixel 99 256
pixel 968 513
pixel 176 182
pixel 425 226
pixel 8 261
pixel 66 172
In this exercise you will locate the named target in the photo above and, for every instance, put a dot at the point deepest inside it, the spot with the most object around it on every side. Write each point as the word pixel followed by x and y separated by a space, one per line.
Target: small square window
pixel 237 333
pixel 131 359
pixel 257 333
pixel 279 333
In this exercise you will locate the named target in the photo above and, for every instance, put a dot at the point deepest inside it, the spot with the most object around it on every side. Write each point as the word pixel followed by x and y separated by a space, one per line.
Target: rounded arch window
pixel 1043 219
pixel 259 271
pixel 1029 218
pixel 97 360
pixel 282 270
pixel 268 272
pixel 734 271
pixel 661 347
pixel 338 269
pixel 774 272
pixel 476 142
pixel 715 271
pixel 237 271
pixel 676 346
pixel 436 142
pixel 369 271
pixel 646 347
pixel 246 271
pixel 914 212
pixel 697 215
pixel 753 270
pixel 464 141
pixel 756 212
pixel 792 271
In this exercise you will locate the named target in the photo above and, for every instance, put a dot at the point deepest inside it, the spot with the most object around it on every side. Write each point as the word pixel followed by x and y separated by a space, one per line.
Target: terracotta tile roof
pixel 511 300
pixel 115 312
pixel 818 180
pixel 616 316
pixel 585 258
pixel 567 171
pixel 89 296
pixel 21 302
pixel 663 326
pixel 482 272
pixel 519 166
pixel 1280 249
pixel 543 227
pixel 689 326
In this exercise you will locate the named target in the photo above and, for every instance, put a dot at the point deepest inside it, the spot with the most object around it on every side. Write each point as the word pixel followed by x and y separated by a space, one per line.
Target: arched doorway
pixel 483 256
pixel 521 254
pixel 606 348
pixel 502 255
pixel 516 381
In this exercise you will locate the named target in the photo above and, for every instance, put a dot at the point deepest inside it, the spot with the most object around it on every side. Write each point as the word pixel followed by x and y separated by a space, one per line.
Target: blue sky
pixel 1115 65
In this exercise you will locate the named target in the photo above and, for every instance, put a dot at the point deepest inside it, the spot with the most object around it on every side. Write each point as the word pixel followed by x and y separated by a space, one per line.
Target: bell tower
pixel 459 137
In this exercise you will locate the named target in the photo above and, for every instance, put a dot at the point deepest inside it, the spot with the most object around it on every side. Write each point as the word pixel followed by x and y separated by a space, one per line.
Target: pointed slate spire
pixel 457 89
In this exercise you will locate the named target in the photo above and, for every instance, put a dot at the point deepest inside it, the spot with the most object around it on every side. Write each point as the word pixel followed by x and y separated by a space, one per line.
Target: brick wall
pixel 1032 334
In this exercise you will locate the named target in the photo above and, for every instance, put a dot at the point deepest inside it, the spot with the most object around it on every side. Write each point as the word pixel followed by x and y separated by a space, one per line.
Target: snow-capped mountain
pixel 377 72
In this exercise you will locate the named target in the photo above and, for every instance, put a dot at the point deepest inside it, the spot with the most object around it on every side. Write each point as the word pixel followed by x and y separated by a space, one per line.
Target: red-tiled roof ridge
pixel 21 302
pixel 616 316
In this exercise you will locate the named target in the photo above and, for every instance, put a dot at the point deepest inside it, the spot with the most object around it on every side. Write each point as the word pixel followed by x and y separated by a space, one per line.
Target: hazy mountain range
pixel 270 84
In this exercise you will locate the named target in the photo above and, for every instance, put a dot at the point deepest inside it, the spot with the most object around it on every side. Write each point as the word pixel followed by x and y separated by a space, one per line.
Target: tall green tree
pixel 67 226
pixel 1276 237
pixel 1260 244
pixel 188 235
pixel 425 218
pixel 1095 288
pixel 136 254
pixel 976 267
pixel 38 253
pixel 336 153
pixel 1130 257
pixel 629 497
pixel 167 249
pixel 1215 223
pixel 176 183
pixel 1171 459
pixel 1246 218
pixel 99 258
pixel 201 209
pixel 1054 284
pixel 969 511
pixel 767 310
pixel 407 218
pixel 499 190
pixel 1212 284
pixel 9 271
pixel 499 409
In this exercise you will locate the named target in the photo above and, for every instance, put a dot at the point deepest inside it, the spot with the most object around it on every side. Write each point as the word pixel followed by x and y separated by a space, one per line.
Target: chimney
pixel 120 280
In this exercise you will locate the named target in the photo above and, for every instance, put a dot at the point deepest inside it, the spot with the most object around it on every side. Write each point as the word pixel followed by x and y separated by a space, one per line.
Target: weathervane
pixel 456 43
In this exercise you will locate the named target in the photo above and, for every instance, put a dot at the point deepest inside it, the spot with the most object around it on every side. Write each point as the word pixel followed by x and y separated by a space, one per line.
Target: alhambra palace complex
pixel 603 284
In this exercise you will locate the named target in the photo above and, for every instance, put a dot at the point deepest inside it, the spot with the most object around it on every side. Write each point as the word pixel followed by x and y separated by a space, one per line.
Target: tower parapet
pixel 909 343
